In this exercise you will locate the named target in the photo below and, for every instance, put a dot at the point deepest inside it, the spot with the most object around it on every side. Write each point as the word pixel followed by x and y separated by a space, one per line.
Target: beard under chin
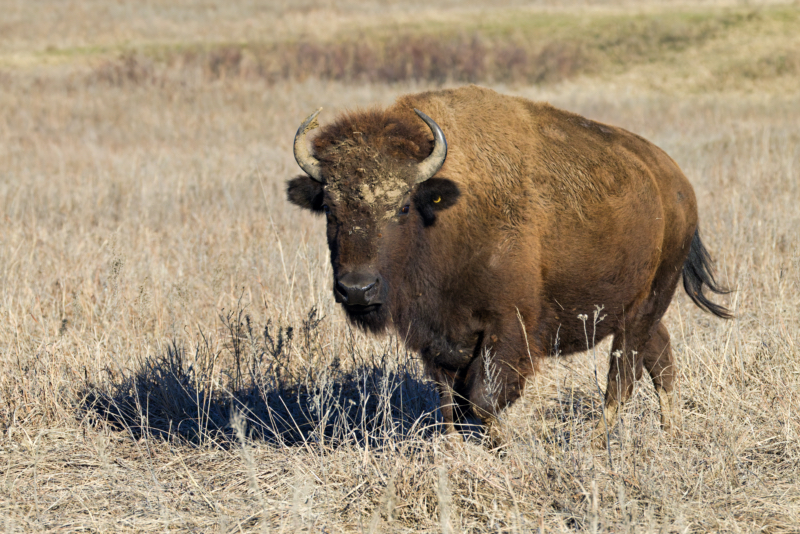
pixel 375 321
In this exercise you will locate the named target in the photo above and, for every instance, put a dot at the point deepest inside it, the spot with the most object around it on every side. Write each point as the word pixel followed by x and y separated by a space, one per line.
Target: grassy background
pixel 702 47
pixel 170 354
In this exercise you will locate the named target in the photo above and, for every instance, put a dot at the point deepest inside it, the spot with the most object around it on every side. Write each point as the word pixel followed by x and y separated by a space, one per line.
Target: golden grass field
pixel 171 358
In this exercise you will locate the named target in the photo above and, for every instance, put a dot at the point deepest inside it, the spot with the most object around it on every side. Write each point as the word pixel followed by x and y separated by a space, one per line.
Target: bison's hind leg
pixel 630 353
pixel 660 365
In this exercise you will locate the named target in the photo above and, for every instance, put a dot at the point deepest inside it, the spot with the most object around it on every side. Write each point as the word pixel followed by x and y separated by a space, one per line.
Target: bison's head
pixel 371 174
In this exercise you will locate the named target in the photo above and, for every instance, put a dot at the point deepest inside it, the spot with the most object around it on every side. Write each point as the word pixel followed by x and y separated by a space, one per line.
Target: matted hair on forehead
pixel 398 135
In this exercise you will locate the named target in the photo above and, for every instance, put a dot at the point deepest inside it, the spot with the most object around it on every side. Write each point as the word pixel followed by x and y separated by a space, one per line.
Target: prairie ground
pixel 171 357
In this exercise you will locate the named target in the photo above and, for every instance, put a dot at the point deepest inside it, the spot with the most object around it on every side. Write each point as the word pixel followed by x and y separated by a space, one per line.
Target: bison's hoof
pixel 672 428
pixel 500 450
pixel 492 438
pixel 670 417
pixel 605 425
pixel 599 439
pixel 452 441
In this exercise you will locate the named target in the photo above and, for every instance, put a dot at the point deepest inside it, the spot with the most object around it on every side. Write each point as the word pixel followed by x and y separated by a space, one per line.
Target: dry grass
pixel 171 357
pixel 700 47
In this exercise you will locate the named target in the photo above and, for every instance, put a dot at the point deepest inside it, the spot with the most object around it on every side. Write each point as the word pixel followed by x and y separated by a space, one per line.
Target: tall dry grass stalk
pixel 171 356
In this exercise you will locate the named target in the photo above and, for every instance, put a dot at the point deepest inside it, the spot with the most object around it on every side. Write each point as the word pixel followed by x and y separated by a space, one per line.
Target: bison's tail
pixel 697 273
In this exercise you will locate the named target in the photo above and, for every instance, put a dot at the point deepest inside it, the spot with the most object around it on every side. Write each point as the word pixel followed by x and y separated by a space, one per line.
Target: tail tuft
pixel 697 272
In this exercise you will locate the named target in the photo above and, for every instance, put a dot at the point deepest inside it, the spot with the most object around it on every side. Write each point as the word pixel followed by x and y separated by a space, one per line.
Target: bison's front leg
pixel 445 383
pixel 495 379
pixel 447 365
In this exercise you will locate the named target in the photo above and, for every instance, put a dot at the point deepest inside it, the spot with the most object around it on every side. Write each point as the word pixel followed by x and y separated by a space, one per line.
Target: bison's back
pixel 498 141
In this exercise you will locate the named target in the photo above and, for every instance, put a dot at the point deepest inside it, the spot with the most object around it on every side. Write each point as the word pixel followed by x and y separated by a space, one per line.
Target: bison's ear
pixel 434 195
pixel 305 192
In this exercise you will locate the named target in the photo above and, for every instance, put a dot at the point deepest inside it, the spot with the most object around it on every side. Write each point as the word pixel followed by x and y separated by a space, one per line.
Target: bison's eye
pixel 433 196
pixel 404 209
pixel 326 209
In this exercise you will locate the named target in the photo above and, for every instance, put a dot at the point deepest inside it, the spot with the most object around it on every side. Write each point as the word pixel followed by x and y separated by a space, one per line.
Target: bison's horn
pixel 434 162
pixel 302 154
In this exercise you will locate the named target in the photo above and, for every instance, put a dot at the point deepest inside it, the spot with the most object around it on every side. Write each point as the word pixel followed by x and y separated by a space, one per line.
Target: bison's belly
pixel 589 291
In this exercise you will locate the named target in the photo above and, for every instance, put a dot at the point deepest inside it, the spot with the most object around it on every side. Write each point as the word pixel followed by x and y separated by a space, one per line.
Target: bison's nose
pixel 359 289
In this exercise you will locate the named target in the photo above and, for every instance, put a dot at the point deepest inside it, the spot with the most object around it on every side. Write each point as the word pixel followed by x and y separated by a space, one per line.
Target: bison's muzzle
pixel 360 292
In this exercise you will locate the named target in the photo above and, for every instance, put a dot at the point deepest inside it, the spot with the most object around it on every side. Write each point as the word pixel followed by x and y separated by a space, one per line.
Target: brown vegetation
pixel 462 58
pixel 522 51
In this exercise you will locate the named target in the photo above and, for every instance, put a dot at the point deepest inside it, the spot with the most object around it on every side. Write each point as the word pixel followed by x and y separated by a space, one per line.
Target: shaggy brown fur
pixel 537 213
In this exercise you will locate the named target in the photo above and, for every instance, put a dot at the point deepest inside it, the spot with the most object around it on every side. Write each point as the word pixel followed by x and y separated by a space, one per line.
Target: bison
pixel 484 228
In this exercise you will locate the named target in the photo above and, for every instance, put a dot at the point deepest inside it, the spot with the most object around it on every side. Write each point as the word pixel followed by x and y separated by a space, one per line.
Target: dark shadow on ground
pixel 170 398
